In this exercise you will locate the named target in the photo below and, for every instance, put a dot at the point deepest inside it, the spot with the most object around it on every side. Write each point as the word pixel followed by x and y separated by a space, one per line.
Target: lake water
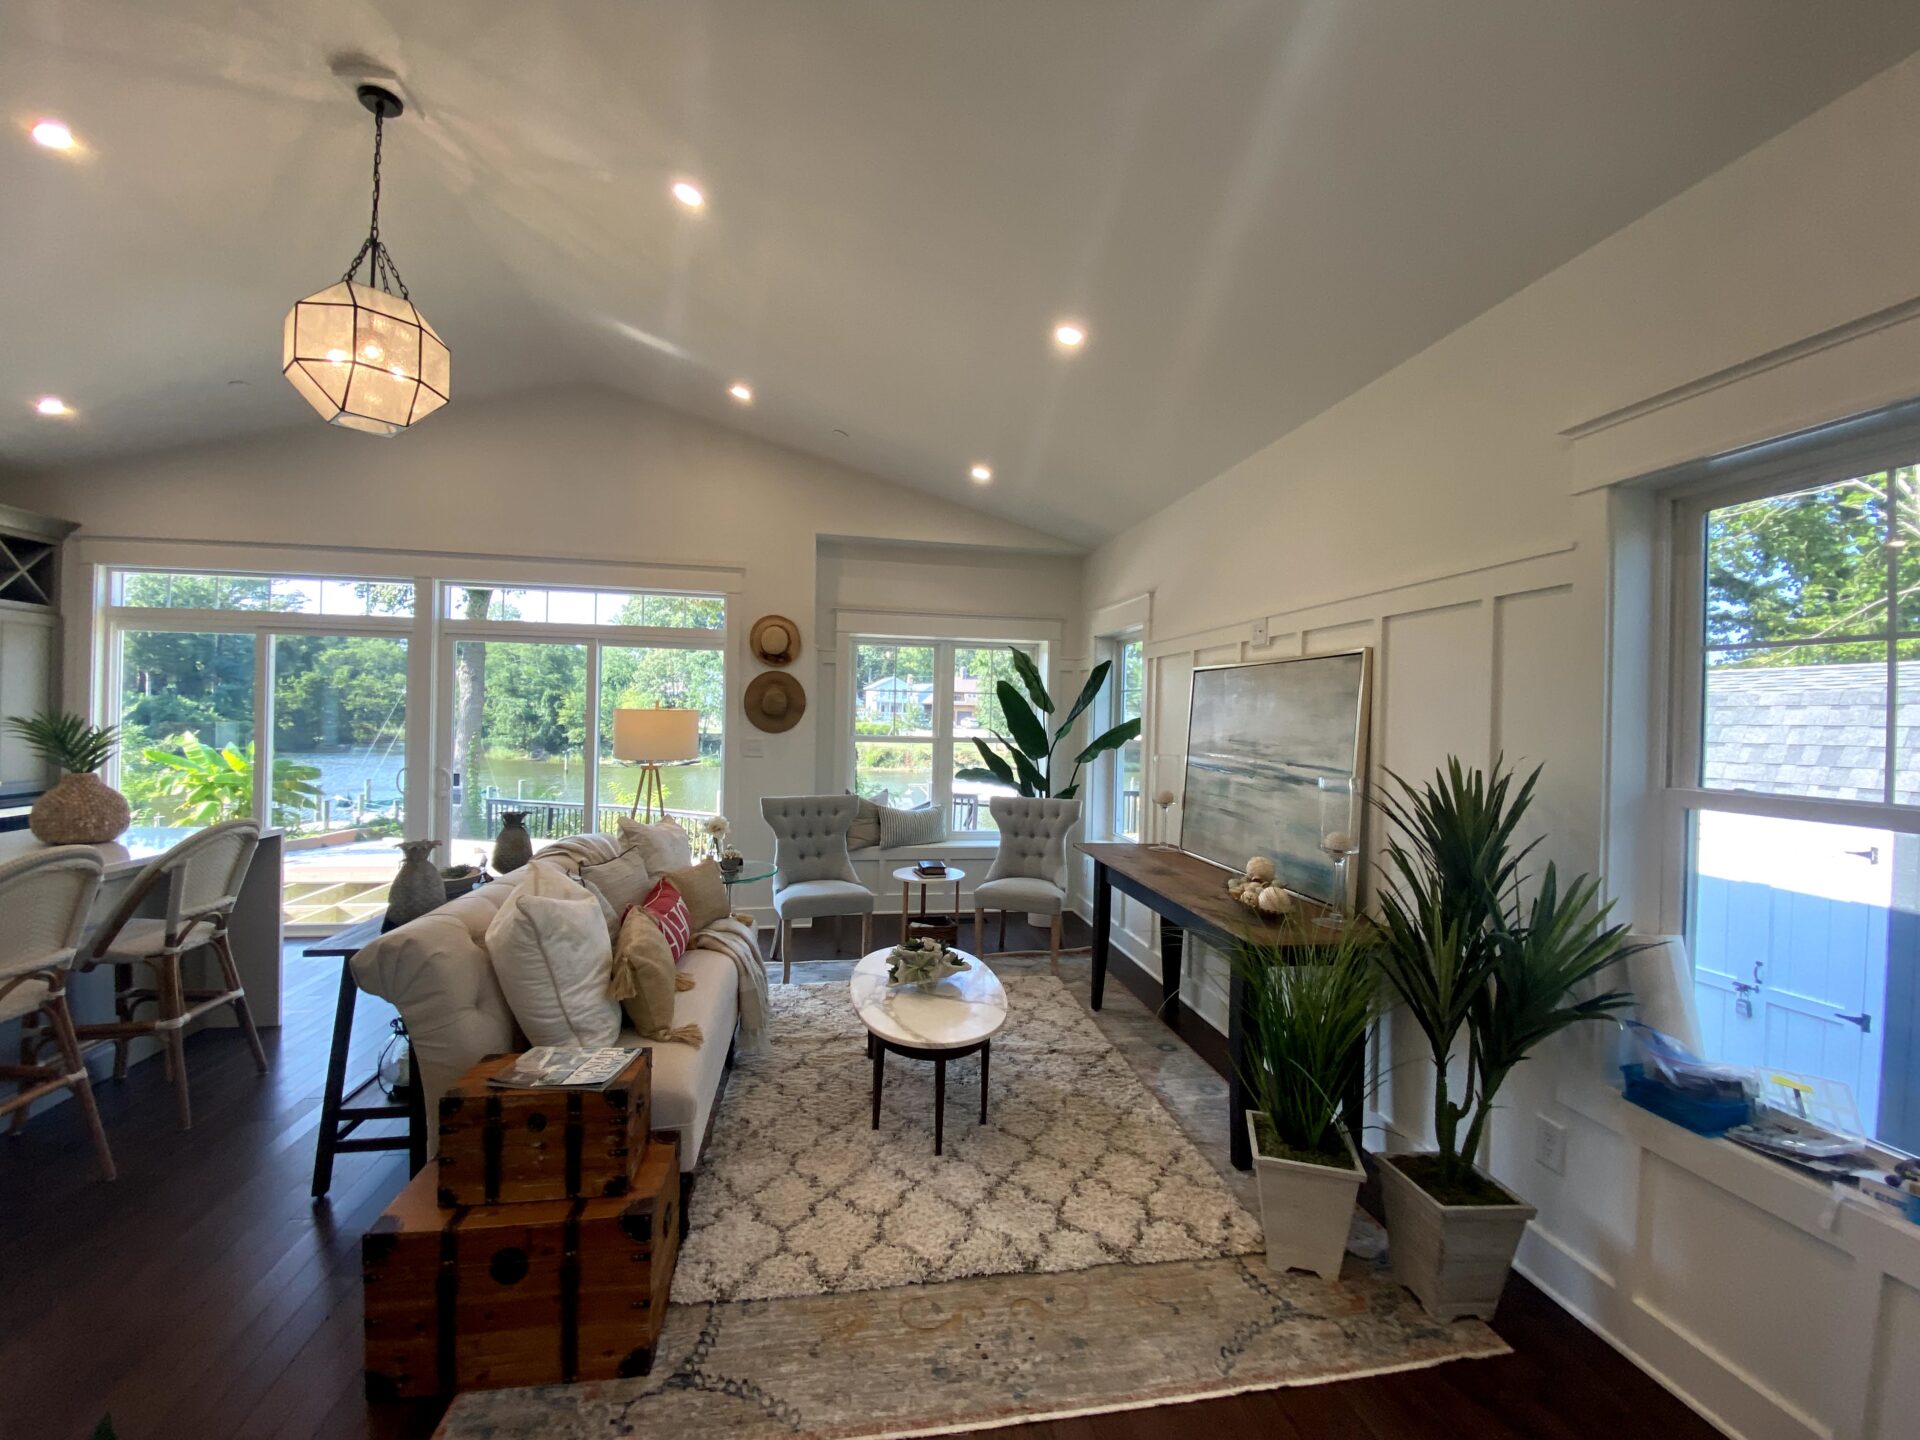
pixel 346 776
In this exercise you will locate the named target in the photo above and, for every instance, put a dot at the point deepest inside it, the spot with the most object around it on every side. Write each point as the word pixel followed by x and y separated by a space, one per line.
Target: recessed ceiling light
pixel 52 405
pixel 53 135
pixel 1070 335
pixel 981 474
pixel 742 392
pixel 689 194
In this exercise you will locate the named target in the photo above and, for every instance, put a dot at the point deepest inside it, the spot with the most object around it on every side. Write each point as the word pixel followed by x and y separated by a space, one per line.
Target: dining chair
pixel 202 877
pixel 45 898
pixel 1029 872
pixel 813 870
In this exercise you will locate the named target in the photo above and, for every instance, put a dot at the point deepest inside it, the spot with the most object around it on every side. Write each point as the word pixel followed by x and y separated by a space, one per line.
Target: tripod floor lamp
pixel 652 738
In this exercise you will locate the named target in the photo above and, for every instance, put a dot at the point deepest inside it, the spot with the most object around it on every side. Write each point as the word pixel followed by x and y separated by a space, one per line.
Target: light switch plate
pixel 1550 1144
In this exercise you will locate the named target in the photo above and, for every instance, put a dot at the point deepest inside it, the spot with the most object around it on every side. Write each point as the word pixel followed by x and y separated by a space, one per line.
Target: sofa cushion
pixel 549 949
pixel 926 825
pixel 622 881
pixel 686 1077
pixel 661 843
pixel 644 977
pixel 669 910
pixel 822 897
pixel 704 891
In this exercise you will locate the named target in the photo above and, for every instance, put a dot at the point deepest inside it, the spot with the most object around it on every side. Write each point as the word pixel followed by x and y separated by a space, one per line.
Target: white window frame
pixel 1106 791
pixel 941 742
pixel 1684 794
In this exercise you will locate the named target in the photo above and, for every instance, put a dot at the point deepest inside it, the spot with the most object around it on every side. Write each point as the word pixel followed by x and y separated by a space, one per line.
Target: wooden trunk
pixel 482 1297
pixel 504 1147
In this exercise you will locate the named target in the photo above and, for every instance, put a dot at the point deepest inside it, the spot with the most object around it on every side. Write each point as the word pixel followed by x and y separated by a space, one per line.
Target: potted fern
pixel 80 808
pixel 1308 1008
pixel 1467 958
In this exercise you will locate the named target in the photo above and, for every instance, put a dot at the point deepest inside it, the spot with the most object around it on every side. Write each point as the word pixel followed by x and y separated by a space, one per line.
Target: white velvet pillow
pixel 551 954
pixel 662 844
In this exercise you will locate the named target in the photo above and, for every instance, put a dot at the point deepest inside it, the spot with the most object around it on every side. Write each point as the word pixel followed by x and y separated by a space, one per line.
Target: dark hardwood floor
pixel 204 1295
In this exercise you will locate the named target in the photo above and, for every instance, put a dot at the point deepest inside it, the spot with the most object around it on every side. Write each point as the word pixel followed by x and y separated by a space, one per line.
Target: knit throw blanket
pixel 734 937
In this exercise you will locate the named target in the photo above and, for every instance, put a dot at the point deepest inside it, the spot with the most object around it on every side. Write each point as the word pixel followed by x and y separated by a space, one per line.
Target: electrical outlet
pixel 1550 1144
pixel 1260 631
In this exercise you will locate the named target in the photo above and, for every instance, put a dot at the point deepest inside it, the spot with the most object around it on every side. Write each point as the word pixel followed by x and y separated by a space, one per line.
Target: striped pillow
pixel 669 911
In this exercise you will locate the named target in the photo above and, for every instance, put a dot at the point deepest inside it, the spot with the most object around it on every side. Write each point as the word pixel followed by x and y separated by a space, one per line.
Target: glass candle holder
pixel 1339 842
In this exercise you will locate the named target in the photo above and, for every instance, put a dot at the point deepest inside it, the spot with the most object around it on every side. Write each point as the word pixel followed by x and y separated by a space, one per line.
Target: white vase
pixel 1306 1209
pixel 1454 1258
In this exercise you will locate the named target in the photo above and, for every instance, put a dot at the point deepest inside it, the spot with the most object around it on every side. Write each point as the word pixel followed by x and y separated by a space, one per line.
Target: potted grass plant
pixel 1308 1008
pixel 1471 961
pixel 79 808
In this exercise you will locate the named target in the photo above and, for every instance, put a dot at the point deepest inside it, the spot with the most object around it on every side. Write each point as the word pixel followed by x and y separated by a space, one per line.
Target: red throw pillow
pixel 669 910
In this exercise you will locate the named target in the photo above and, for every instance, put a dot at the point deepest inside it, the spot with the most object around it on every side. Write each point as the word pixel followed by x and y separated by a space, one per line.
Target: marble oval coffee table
pixel 951 1018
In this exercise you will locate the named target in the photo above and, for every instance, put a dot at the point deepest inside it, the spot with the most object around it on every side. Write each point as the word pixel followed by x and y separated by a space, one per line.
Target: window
pixel 918 707
pixel 537 675
pixel 308 683
pixel 1125 766
pixel 1796 780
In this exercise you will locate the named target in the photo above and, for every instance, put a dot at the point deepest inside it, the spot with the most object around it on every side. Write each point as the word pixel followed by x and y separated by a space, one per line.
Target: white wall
pixel 1453 516
pixel 577 477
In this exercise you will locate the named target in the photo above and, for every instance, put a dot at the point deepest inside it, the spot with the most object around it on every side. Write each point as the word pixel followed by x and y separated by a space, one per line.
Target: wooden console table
pixel 1189 895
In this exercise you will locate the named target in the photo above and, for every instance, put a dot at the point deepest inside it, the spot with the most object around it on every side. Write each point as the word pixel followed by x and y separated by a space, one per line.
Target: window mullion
pixel 942 748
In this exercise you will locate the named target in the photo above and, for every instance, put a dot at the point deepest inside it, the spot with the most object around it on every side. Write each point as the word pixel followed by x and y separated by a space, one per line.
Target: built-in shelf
pixel 26 570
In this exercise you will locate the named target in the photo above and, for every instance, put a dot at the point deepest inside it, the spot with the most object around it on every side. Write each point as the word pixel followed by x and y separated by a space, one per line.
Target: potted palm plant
pixel 1308 1008
pixel 80 808
pixel 1468 958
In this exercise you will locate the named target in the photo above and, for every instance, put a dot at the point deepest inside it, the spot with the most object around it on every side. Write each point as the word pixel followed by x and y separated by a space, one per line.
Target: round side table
pixel 907 876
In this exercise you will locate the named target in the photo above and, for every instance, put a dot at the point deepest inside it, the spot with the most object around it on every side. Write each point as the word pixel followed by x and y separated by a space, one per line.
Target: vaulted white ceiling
pixel 1255 208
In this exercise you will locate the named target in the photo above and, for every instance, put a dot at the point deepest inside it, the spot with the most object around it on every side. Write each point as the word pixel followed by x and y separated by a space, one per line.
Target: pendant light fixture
pixel 359 351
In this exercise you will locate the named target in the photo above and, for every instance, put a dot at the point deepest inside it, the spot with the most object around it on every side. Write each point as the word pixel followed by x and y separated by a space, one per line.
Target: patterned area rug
pixel 974 1354
pixel 1078 1165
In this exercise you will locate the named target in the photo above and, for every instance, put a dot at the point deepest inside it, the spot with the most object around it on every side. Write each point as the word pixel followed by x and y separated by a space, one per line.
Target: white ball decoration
pixel 1260 868
pixel 1274 901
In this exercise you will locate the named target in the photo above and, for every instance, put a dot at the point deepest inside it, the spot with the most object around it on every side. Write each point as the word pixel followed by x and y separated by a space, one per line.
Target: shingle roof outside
pixel 1812 730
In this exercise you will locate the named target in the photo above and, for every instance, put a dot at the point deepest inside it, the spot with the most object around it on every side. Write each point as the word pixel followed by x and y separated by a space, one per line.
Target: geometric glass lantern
pixel 360 352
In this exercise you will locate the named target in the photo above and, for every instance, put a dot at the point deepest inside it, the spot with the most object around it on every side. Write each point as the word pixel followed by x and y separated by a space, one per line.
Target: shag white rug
pixel 1077 1166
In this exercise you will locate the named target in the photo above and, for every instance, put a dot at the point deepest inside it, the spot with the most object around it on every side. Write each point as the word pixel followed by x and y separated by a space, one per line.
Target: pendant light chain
pixel 381 270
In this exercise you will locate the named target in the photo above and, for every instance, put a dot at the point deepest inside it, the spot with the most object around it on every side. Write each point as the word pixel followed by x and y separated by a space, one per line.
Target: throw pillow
pixel 924 826
pixel 669 912
pixel 549 949
pixel 644 979
pixel 704 891
pixel 864 833
pixel 662 843
pixel 619 882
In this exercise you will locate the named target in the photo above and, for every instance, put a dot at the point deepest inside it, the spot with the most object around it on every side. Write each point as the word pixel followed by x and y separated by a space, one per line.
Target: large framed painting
pixel 1277 764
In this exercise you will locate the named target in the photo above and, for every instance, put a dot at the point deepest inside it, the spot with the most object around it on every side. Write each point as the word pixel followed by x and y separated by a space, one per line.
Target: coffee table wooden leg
pixel 939 1104
pixel 986 1054
pixel 879 1074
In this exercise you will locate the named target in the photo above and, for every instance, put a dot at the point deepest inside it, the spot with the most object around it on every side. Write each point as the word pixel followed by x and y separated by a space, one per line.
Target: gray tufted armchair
pixel 813 873
pixel 1029 873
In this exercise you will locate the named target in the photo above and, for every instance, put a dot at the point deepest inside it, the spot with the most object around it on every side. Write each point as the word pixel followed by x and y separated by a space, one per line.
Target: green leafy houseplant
pixel 1027 765
pixel 199 784
pixel 66 740
pixel 1308 1010
pixel 1465 955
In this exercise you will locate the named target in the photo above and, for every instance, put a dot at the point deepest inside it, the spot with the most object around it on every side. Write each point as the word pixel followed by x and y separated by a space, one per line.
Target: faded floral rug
pixel 975 1354
pixel 1077 1165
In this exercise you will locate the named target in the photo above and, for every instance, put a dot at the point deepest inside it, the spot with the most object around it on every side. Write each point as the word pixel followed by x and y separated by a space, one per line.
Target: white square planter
pixel 1454 1258
pixel 1306 1210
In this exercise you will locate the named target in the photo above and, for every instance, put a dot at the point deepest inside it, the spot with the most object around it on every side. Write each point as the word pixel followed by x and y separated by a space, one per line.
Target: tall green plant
pixel 1308 1009
pixel 200 784
pixel 1465 955
pixel 1027 766
pixel 66 740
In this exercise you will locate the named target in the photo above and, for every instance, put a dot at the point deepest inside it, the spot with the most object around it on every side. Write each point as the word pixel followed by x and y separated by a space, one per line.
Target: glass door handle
pixel 1871 854
pixel 1863 1020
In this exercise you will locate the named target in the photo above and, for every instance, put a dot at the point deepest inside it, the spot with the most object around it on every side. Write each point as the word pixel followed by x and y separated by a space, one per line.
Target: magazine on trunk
pixel 553 1067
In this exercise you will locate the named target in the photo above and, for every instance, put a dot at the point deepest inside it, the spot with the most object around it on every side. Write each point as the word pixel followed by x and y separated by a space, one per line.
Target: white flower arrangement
pixel 921 962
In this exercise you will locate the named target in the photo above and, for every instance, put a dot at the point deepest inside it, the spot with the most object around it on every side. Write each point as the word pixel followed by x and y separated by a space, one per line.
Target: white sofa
pixel 435 971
